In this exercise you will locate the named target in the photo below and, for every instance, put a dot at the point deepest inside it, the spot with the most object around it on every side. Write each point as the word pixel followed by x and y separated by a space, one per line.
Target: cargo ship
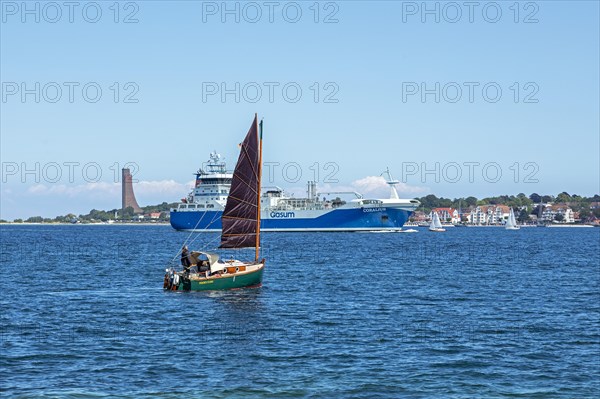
pixel 203 207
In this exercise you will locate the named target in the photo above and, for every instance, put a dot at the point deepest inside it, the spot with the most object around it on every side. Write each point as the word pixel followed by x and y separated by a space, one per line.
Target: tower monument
pixel 127 195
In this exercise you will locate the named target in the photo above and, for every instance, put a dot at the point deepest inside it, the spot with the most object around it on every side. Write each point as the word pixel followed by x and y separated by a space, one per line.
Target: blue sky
pixel 541 133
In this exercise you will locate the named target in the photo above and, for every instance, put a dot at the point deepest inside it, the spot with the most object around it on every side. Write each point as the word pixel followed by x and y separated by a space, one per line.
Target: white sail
pixel 432 224
pixel 436 225
pixel 436 221
pixel 511 223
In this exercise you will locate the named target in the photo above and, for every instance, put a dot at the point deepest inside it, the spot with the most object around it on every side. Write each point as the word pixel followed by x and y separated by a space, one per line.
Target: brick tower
pixel 127 195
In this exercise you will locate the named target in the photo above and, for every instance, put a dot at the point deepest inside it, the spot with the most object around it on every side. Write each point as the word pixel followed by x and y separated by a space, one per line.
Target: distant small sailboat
pixel 511 223
pixel 436 225
pixel 204 271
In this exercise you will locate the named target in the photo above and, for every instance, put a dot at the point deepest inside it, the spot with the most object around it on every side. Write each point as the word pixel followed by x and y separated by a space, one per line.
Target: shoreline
pixel 88 224
pixel 572 225
pixel 169 225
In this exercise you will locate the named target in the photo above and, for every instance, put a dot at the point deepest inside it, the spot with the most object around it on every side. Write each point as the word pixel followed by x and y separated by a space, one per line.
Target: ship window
pixel 371 202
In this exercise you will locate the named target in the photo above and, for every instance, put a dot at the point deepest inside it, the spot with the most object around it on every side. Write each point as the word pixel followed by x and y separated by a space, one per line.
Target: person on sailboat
pixel 185 258
pixel 203 264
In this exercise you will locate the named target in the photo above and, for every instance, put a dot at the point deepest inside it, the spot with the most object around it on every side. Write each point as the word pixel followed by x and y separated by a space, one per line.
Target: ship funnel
pixel 311 190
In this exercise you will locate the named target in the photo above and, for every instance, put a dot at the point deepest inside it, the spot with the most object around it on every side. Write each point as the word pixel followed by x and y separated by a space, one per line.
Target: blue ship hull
pixel 354 219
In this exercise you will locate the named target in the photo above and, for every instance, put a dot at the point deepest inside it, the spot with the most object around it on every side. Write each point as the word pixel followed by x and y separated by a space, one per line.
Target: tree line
pixel 528 205
pixel 96 215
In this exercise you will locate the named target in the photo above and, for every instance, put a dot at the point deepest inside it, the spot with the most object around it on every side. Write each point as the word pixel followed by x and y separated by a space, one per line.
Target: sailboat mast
pixel 259 186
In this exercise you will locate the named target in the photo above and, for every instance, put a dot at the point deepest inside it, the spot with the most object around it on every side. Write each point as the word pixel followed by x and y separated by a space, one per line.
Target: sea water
pixel 472 312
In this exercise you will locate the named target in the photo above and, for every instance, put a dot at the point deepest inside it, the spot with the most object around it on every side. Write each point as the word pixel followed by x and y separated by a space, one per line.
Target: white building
pixel 446 214
pixel 489 214
pixel 550 212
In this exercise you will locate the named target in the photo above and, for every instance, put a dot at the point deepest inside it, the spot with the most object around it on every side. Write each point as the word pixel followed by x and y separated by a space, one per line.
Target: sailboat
pixel 436 225
pixel 511 223
pixel 205 271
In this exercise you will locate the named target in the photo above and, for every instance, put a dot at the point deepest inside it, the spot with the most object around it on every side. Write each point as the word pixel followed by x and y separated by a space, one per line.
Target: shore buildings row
pixel 496 214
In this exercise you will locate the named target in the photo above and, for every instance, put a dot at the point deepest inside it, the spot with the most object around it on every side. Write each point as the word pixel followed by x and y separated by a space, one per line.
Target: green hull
pixel 223 283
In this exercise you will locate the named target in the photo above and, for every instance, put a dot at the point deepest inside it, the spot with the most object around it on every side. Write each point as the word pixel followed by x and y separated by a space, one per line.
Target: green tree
pixel 429 201
pixel 34 219
pixel 535 198
pixel 444 203
pixel 523 216
pixel 563 197
pixel 585 213
pixel 559 218
pixel 522 200
pixel 127 213
pixel 537 210
pixel 547 198
pixel 471 201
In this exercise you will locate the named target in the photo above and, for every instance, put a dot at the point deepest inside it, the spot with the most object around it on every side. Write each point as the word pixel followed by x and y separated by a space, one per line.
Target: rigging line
pixel 237 218
pixel 250 161
pixel 218 236
pixel 210 242
pixel 214 219
pixel 194 228
pixel 246 183
pixel 189 235
pixel 241 200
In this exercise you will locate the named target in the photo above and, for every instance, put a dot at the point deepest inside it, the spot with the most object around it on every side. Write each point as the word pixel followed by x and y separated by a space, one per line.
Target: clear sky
pixel 464 90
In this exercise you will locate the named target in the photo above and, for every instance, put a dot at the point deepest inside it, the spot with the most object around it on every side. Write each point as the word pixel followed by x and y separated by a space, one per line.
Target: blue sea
pixel 470 313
